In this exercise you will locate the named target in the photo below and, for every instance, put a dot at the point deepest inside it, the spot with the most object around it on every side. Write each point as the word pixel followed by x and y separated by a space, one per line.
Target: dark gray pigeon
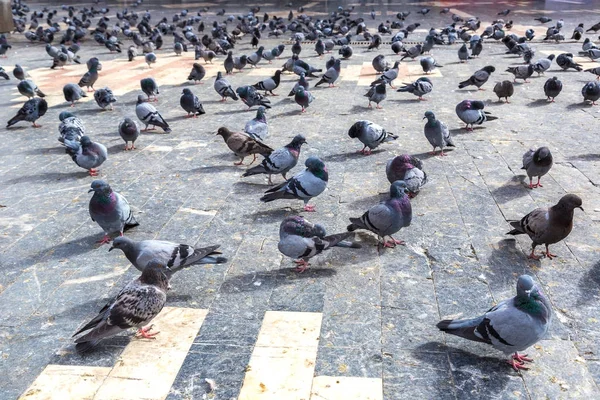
pixel 409 169
pixel 595 71
pixel 29 89
pixel 150 59
pixel 471 112
pixel 150 88
pixel 281 161
pixel 104 98
pixel 303 98
pixel 591 92
pixel 479 78
pixel 251 97
pixel 370 134
pixel 412 52
pixel 173 256
pixel 332 74
pixel 149 116
pixel 191 103
pixel 197 73
pixel 380 64
pixel 565 61
pixel 87 154
pixel 89 78
pixel 537 163
pixel 419 88
pixel 73 93
pixel 504 89
pixel 19 72
pixel 437 133
pixel 463 53
pixel 129 131
pixel 389 76
pixel 376 94
pixel 32 110
pixel 388 217
pixel 552 88
pixel 521 72
pixel 110 210
pixel 510 326
pixel 429 64
pixel 548 225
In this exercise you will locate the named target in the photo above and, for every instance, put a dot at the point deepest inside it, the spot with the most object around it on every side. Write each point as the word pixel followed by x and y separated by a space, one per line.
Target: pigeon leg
pixel 144 333
pixel 36 125
pixel 422 99
pixel 309 208
pixel 93 172
pixel 369 106
pixel 270 182
pixel 302 265
pixel 400 242
pixel 105 239
pixel 273 94
pixel 303 109
pixel 507 101
pixel 521 358
pixel 389 244
pixel 548 254
pixel 241 162
pixel 480 88
pixel 379 107
pixel 531 186
pixel 516 365
pixel 538 184
pixel 433 152
pixel 254 159
pixel 442 154
pixel 532 255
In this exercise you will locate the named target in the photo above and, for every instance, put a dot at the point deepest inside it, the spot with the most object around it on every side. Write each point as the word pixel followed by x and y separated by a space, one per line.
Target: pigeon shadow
pixel 586 157
pixel 50 176
pixel 349 156
pixel 224 112
pixel 288 113
pixel 215 168
pixel 364 203
pixel 414 100
pixel 589 285
pixel 266 280
pixel 427 155
pixel 539 103
pixel 510 190
pixel 464 131
pixel 60 150
pixel 580 106
pixel 505 262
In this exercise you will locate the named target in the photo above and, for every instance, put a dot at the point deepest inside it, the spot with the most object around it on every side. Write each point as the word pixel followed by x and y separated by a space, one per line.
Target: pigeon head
pixel 242 91
pixel 319 230
pixel 85 141
pixel 64 115
pixel 298 141
pixel 489 69
pixel 219 75
pixel 398 189
pixel 261 113
pixel 186 91
pixel 542 153
pixel 157 274
pixel 100 186
pixel 570 202
pixel 121 242
pixel 429 115
pixel 224 132
pixel 316 166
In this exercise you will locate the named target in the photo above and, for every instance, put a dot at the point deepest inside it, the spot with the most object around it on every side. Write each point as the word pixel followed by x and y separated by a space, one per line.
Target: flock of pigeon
pixel 511 326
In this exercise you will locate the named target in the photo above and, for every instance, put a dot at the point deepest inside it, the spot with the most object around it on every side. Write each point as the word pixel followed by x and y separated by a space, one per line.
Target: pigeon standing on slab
pixel 479 78
pixel 129 131
pixel 173 256
pixel 301 82
pixel 197 73
pixel 463 53
pixel 19 72
pixel 591 92
pixel 419 88
pixel 257 128
pixel 437 133
pixel 331 75
pixel 29 89
pixel 510 326
pixel 281 161
pixel 110 210
pixel 32 110
pixel 243 145
pixel 428 64
pixel 251 97
pixel 565 61
pixel 376 94
pixel 471 112
pixel 191 103
pixel 298 241
pixel 370 134
pixel 104 98
pixel 389 76
pixel 269 84
pixel 548 225
pixel 388 217
pixel 150 88
pixel 412 52
pixel 254 58
pixel 150 59
pixel 86 154
pixel 595 71
pixel 150 116
pixel 504 89
pixel 409 169
pixel 135 306
pixel 303 98
pixel 70 127
pixel 543 64
pixel 73 93
pixel 89 78
pixel 552 88
pixel 380 64
pixel 521 72
pixel 537 163
pixel 303 186
pixel 223 87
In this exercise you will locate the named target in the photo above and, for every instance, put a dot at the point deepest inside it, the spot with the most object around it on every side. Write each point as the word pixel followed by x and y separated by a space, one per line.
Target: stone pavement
pixel 359 324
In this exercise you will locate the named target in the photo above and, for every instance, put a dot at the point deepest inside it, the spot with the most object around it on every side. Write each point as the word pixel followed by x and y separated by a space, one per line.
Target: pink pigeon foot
pixel 309 208
pixel 302 265
pixel 104 240
pixel 143 333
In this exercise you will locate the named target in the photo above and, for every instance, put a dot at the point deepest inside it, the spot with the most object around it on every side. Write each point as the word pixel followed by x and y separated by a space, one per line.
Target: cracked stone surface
pixel 379 306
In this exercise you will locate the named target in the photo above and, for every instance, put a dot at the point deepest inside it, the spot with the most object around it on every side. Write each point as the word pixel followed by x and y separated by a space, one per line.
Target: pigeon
pixel 19 72
pixel 595 71
pixel 332 74
pixel 223 87
pixel 150 59
pixel 70 128
pixel 86 154
pixel 303 186
pixel 104 98
pixel 132 52
pixel 504 12
pixel 254 58
pixel 346 52
pixel 471 112
pixel 419 88
pixel 537 163
pixel 173 256
pixel 32 110
pixel 149 116
pixel 110 210
pixel 197 74
pixel 129 131
pixel 370 134
pixel 429 64
pixel 376 94
pixel 301 82
pixel 565 61
pixel 591 92
pixel 281 161
pixel 543 20
pixel 552 88
pixel 29 89
pixel 463 53
pixel 409 169
pixel 243 145
pixel 150 88
pixel 437 133
pixel 191 103
pixel 577 32
pixel 412 52
pixel 388 217
pixel 89 78
pixel 521 72
pixel 251 97
pixel 479 78
pixel 504 89
pixel 389 76
pixel 240 62
pixel 595 28
pixel 301 240
pixel 228 63
pixel 135 306
pixel 542 65
pixel 380 64
pixel 257 127
pixel 3 74
pixel 73 93
pixel 303 98
pixel 269 84
pixel 548 225
pixel 510 326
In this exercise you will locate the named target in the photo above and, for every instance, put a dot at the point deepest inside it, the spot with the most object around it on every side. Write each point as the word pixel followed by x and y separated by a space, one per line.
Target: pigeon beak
pixel 111 248
pixel 90 191
pixel 581 208
pixel 424 117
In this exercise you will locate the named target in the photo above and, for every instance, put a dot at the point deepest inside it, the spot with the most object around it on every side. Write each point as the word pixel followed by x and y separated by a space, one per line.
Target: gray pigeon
pixel 591 92
pixel 552 88
pixel 19 72
pixel 223 87
pixel 387 217
pixel 595 71
pixel 376 94
pixel 173 256
pixel 521 71
pixel 303 98
pixel 504 89
pixel 86 154
pixel 3 73
pixel 380 64
pixel 297 241
pixel 542 65
pixel 149 116
pixel 257 127
pixel 254 58
pixel 463 53
pixel 429 64
pixel 110 210
pixel 269 84
pixel 370 134
pixel 301 82
pixel 331 75
pixel 150 88
pixel 240 62
pixel 243 145
pixel 89 78
pixel 29 89
pixel 303 186
pixel 409 169
pixel 419 88
pixel 104 98
pixel 191 103
pixel 32 110
pixel 412 52
pixel 389 76
pixel 281 161
pixel 150 59
pixel 129 131
pixel 437 133
pixel 73 93
pixel 135 306
pixel 479 78
pixel 471 112
pixel 537 163
pixel 548 225
pixel 510 326
pixel 197 74
pixel 251 97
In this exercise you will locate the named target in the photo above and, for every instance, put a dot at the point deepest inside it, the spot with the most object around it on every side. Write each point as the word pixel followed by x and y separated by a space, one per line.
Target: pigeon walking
pixel 303 98
pixel 479 78
pixel 376 94
pixel 87 154
pixel 281 161
pixel 388 76
pixel 521 72
pixel 552 88
pixel 257 128
pixel 243 145
pixel 129 132
pixel 565 61
pixel 89 78
pixel 110 210
pixel 251 97
pixel 332 74
pixel 591 92
pixel 437 133
pixel 223 87
pixel 428 64
pixel 537 163
pixel 149 116
pixel 269 84
pixel 370 134
pixel 419 88
pixel 504 89
pixel 191 103
pixel 471 112
pixel 32 110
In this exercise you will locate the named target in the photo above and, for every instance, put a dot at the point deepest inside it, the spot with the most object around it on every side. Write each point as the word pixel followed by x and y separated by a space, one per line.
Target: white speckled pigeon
pixel 70 127
pixel 110 210
pixel 281 161
pixel 104 98
pixel 370 134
